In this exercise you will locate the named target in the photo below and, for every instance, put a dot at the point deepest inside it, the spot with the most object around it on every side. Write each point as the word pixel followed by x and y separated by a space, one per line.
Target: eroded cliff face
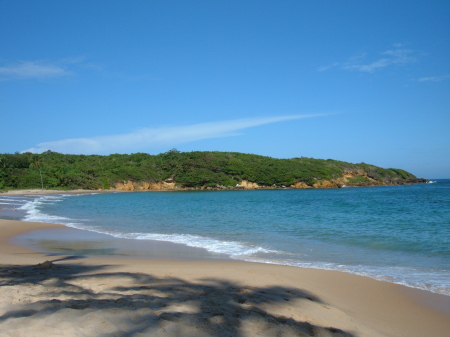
pixel 300 184
pixel 144 185
pixel 248 185
pixel 165 185
pixel 356 177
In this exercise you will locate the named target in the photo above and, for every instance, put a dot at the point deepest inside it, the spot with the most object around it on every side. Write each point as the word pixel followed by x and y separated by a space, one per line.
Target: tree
pixel 36 163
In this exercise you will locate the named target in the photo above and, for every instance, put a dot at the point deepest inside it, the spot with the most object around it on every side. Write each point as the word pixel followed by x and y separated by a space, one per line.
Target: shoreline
pixel 247 186
pixel 81 242
pixel 384 268
pixel 45 192
pixel 285 298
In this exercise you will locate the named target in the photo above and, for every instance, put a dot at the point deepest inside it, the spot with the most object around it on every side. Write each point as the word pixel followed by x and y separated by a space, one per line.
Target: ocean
pixel 398 234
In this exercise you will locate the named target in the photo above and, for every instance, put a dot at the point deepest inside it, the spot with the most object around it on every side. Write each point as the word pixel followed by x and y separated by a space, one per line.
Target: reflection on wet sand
pixel 69 241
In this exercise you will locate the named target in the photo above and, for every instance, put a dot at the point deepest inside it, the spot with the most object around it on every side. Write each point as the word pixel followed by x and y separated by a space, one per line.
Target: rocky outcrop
pixel 248 185
pixel 355 178
pixel 301 184
pixel 328 184
pixel 143 185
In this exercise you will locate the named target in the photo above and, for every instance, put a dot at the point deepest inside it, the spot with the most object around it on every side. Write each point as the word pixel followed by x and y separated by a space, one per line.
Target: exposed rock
pixel 327 184
pixel 354 178
pixel 249 185
pixel 144 185
pixel 300 184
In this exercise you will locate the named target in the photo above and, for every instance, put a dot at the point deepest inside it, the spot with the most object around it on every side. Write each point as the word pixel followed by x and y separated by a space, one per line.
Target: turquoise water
pixel 399 234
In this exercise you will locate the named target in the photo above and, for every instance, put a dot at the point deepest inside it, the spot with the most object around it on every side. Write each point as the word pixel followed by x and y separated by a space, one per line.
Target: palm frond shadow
pixel 103 303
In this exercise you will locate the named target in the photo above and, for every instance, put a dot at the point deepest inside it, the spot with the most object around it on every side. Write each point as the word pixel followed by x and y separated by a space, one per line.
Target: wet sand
pixel 44 294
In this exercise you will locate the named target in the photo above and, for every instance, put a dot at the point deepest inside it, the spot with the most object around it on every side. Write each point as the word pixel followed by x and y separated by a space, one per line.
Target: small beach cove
pixel 208 298
pixel 397 234
pixel 109 279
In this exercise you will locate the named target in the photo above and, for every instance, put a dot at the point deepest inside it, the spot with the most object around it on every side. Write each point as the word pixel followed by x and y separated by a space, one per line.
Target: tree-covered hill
pixel 186 170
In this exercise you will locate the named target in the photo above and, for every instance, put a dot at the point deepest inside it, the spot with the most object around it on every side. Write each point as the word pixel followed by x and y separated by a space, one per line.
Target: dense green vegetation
pixel 188 169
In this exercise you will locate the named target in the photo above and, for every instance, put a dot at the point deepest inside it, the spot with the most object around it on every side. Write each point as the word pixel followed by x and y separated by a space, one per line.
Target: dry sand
pixel 74 296
pixel 45 192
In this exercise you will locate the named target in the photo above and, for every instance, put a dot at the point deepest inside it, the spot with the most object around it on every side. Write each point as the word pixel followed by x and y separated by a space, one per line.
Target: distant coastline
pixel 133 186
pixel 175 170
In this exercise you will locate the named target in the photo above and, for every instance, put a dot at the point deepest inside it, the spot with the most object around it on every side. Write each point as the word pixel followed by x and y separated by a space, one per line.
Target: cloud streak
pixel 434 78
pixel 147 138
pixel 32 70
pixel 393 57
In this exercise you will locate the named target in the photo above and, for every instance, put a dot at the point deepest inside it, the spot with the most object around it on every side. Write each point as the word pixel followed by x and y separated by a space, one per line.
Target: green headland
pixel 175 170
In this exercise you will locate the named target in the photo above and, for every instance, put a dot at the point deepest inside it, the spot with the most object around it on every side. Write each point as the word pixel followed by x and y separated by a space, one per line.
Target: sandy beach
pixel 39 191
pixel 45 295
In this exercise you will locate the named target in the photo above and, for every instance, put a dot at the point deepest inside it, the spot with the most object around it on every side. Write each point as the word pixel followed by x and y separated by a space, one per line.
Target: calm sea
pixel 398 234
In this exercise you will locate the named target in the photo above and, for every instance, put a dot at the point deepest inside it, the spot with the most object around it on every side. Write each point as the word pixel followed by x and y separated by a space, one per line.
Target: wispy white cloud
pixel 147 138
pixel 392 57
pixel 389 58
pixel 434 78
pixel 69 66
pixel 33 70
pixel 327 67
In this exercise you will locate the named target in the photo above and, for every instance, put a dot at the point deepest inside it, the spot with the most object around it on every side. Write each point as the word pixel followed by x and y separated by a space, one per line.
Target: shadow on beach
pixel 91 301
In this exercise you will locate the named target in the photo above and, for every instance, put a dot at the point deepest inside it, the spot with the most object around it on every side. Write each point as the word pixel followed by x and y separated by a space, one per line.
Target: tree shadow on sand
pixel 95 302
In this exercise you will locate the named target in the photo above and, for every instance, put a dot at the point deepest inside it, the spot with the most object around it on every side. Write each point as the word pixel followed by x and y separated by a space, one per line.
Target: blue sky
pixel 356 81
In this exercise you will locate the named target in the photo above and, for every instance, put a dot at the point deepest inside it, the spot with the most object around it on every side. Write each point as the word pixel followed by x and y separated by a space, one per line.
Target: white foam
pixel 35 215
pixel 231 248
pixel 436 281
